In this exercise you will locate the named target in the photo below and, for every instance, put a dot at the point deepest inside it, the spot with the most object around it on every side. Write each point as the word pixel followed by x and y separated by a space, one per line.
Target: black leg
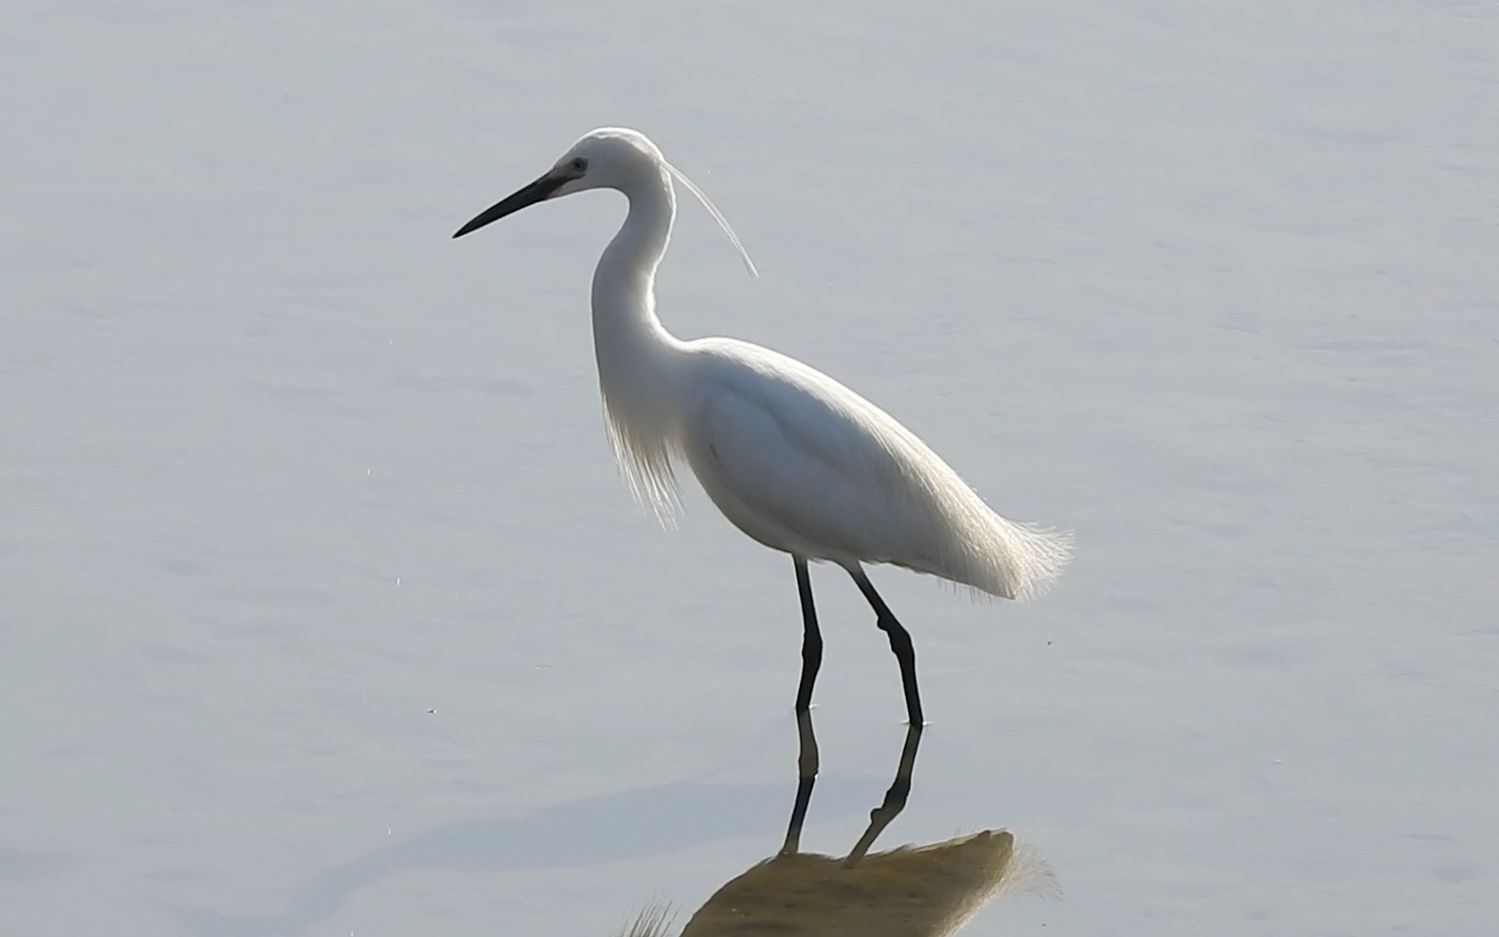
pixel 806 776
pixel 900 643
pixel 811 638
pixel 895 797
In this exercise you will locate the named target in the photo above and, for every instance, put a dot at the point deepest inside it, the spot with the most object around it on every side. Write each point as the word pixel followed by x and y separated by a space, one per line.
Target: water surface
pixel 324 610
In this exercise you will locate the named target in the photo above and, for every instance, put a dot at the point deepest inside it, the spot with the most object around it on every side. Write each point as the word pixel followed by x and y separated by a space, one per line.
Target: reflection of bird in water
pixel 907 892
pixel 912 891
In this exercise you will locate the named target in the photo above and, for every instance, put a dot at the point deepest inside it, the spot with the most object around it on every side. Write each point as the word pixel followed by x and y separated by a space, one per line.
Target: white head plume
pixel 717 215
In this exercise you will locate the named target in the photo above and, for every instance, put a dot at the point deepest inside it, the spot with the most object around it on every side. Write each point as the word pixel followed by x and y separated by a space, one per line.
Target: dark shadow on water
pixel 614 827
pixel 29 865
pixel 912 891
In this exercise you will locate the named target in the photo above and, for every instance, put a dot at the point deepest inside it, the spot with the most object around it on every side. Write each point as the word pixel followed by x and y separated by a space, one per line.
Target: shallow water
pixel 324 610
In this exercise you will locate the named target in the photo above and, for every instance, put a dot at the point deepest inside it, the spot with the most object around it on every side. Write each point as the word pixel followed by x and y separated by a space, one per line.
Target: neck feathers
pixel 639 361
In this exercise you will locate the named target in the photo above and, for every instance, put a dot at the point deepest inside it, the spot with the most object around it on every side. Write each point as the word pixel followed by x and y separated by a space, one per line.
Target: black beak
pixel 535 192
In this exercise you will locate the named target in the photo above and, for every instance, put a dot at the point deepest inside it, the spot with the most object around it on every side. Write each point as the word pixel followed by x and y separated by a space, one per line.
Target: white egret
pixel 790 456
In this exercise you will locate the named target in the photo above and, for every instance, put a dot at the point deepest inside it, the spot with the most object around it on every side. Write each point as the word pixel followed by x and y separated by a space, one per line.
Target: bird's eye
pixel 579 164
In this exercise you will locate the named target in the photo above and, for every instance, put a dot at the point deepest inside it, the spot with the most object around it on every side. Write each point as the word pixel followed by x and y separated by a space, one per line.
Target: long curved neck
pixel 637 357
pixel 624 285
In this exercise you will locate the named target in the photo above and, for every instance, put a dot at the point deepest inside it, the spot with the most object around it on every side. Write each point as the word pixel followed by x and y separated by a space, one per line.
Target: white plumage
pixel 793 458
pixel 804 465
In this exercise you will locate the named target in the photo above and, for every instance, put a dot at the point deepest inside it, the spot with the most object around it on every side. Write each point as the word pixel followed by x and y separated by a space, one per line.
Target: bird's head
pixel 607 158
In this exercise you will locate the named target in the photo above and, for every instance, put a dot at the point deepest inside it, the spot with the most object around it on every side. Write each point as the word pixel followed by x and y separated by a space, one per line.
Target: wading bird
pixel 790 456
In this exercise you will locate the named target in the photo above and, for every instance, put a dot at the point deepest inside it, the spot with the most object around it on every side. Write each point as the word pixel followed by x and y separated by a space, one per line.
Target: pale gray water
pixel 324 610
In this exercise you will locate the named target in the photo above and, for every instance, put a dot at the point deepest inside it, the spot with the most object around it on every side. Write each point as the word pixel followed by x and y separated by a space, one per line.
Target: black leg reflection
pixel 806 774
pixel 811 637
pixel 900 643
pixel 928 889
pixel 895 797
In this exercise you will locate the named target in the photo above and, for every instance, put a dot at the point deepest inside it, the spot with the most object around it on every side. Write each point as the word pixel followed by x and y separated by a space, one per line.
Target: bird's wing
pixel 804 464
pixel 811 457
